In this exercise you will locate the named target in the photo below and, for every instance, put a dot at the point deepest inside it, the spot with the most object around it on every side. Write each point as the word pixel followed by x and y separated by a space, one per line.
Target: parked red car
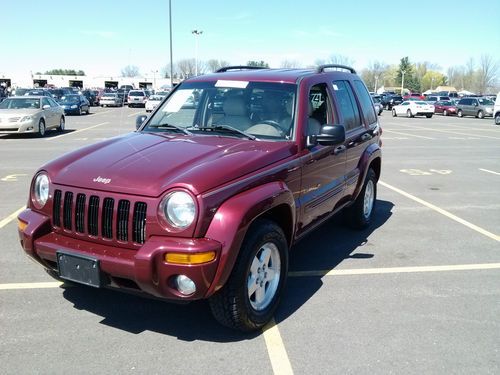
pixel 413 96
pixel 446 107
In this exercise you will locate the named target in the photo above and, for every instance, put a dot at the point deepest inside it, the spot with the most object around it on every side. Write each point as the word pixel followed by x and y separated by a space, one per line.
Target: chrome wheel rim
pixel 41 128
pixel 264 276
pixel 61 124
pixel 368 199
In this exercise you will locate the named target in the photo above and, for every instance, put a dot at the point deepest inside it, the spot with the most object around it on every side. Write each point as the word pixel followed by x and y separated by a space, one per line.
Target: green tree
pixel 260 63
pixel 410 81
pixel 431 80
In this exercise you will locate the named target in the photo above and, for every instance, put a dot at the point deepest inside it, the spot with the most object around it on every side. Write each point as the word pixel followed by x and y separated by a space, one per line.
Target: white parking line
pixel 11 217
pixel 17 286
pixel 443 212
pixel 449 132
pixel 407 134
pixel 488 171
pixel 376 271
pixel 76 131
pixel 134 114
pixel 276 349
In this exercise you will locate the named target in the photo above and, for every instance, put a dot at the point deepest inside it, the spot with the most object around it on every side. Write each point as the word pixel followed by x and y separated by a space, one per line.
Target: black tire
pixel 459 113
pixel 41 128
pixel 394 114
pixel 358 215
pixel 428 116
pixel 233 306
pixel 480 114
pixel 408 113
pixel 62 125
pixel 497 119
pixel 445 112
pixel 102 105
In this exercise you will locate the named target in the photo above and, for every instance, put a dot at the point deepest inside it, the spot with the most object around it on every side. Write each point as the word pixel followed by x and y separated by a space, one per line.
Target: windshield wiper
pixel 227 128
pixel 171 127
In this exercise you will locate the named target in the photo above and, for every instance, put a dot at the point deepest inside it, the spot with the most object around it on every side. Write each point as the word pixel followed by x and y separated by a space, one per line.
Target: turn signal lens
pixel 187 258
pixel 21 225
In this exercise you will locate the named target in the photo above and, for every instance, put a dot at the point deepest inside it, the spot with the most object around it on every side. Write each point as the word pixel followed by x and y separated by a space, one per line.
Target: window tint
pixel 366 103
pixel 347 104
pixel 45 101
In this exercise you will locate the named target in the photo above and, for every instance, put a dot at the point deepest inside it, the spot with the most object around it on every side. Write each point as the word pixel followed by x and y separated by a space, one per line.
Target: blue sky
pixel 102 36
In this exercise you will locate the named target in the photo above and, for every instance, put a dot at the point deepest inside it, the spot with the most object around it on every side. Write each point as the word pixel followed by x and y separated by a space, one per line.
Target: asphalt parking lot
pixel 418 292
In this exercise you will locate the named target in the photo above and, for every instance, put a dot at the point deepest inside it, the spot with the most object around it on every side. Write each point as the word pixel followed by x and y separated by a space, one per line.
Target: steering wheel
pixel 274 124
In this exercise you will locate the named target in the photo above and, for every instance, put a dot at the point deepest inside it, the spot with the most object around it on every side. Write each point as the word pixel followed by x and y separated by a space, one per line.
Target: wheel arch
pixel 272 201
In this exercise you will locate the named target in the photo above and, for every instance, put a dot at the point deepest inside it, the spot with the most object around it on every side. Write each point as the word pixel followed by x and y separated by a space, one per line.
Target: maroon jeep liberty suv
pixel 208 196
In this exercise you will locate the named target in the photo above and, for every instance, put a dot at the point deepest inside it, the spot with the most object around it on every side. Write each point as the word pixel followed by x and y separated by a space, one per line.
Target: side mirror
pixel 46 106
pixel 140 120
pixel 331 135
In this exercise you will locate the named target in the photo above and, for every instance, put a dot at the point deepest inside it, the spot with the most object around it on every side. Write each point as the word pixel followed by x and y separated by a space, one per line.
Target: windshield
pixel 70 99
pixel 261 109
pixel 20 103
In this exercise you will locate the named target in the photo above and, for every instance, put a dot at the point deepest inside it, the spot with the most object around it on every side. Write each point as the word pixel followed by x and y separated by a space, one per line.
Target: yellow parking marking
pixel 134 114
pixel 443 212
pixel 488 171
pixel 17 286
pixel 407 134
pixel 11 217
pixel 12 177
pixel 76 131
pixel 375 271
pixel 276 349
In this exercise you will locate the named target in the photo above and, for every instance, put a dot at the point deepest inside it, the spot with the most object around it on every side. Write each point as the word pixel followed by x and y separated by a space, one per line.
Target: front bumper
pixel 19 127
pixel 144 270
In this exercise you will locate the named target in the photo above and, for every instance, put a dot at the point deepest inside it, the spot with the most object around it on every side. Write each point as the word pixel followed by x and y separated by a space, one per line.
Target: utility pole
pixel 196 34
pixel 402 81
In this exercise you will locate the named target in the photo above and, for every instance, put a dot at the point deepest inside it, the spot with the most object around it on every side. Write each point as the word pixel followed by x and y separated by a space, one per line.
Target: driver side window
pixel 319 109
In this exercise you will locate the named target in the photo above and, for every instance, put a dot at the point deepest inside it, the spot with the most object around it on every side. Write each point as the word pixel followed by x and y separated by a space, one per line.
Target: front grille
pixel 86 216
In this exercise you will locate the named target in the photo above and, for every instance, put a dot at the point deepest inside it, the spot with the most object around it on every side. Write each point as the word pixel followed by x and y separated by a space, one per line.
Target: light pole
pixel 196 34
pixel 171 58
pixel 402 81
pixel 376 82
pixel 154 79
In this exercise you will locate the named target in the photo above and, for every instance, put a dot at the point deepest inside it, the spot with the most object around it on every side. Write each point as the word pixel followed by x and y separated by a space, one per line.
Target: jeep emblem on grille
pixel 102 180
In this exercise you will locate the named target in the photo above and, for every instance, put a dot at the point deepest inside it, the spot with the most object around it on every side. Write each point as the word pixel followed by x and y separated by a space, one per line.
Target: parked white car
pixel 496 110
pixel 413 108
pixel 153 102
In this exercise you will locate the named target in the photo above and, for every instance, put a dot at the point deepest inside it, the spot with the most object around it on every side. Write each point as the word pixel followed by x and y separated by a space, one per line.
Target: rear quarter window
pixel 366 103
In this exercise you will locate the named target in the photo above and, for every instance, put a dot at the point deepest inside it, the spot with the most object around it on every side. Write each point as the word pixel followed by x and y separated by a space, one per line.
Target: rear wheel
pixel 480 114
pixel 361 212
pixel 251 295
pixel 459 113
pixel 41 128
pixel 429 115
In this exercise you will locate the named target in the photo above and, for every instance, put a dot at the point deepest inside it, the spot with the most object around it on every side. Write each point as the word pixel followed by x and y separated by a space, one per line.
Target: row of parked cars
pixel 416 104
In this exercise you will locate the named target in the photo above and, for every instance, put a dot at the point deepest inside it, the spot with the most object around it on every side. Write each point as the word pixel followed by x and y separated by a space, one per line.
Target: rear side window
pixel 366 103
pixel 347 104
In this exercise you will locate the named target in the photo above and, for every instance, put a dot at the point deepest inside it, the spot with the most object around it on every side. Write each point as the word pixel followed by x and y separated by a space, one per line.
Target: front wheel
pixel 251 295
pixel 408 113
pixel 360 213
pixel 62 125
pixel 429 115
pixel 459 113
pixel 41 128
pixel 445 113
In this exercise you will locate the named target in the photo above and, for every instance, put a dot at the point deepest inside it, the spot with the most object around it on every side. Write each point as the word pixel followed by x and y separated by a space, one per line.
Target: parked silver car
pixel 478 107
pixel 30 114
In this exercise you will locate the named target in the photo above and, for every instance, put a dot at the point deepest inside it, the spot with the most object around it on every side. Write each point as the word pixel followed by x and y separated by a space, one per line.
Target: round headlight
pixel 179 209
pixel 41 190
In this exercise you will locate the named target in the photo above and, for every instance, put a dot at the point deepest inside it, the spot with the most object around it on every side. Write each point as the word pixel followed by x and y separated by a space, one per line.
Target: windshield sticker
pixel 177 101
pixel 335 87
pixel 234 84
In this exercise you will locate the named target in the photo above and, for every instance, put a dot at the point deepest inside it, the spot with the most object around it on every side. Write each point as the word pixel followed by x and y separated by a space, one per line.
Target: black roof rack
pixel 322 68
pixel 238 67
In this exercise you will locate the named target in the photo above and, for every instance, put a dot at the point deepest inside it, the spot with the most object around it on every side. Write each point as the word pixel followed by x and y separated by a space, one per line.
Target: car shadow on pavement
pixel 323 249
pixel 48 134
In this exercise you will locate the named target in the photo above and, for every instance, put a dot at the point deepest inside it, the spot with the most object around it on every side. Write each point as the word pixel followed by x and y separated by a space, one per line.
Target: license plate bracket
pixel 78 268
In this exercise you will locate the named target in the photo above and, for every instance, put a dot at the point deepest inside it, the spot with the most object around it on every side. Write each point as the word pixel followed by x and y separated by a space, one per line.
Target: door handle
pixel 339 150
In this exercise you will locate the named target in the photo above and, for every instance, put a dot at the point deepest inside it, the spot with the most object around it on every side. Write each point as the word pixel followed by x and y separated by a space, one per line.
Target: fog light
pixel 185 285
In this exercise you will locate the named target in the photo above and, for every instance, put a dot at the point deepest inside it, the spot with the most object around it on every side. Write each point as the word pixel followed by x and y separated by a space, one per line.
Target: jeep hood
pixel 148 164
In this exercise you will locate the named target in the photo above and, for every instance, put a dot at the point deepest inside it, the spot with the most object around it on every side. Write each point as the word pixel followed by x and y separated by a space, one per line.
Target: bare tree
pixel 186 68
pixel 336 59
pixel 374 75
pixel 289 64
pixel 486 73
pixel 130 71
pixel 214 64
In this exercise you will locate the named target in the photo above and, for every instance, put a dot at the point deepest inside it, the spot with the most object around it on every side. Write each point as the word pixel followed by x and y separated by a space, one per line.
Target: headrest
pixel 234 106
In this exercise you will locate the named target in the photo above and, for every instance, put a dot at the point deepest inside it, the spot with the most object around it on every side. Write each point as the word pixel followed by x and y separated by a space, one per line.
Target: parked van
pixel 478 107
